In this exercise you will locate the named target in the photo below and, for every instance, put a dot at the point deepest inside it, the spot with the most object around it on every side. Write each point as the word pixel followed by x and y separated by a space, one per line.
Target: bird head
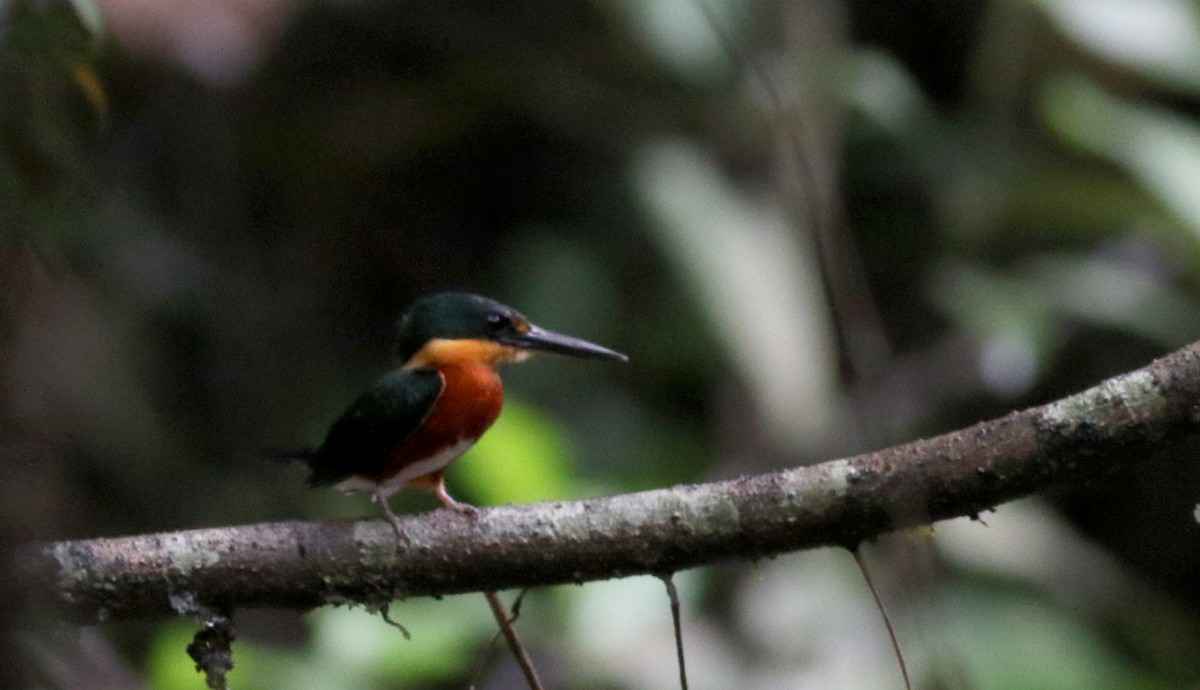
pixel 460 327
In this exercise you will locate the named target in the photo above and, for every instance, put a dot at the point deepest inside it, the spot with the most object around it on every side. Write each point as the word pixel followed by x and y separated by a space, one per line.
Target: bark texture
pixel 840 502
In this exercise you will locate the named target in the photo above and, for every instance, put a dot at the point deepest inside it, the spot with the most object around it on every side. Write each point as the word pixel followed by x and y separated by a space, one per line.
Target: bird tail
pixel 306 457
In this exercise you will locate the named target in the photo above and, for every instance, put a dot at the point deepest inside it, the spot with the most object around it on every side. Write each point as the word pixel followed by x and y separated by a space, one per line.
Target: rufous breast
pixel 470 402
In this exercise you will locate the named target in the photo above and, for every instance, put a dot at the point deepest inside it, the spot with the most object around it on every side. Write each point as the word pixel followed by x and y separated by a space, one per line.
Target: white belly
pixel 398 481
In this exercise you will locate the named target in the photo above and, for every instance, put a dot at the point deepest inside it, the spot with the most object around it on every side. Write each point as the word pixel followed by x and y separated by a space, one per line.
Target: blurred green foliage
pixel 1017 641
pixel 51 102
pixel 211 214
pixel 524 458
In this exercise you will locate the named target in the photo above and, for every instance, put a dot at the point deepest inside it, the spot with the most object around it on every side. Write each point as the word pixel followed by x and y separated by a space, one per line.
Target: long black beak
pixel 537 338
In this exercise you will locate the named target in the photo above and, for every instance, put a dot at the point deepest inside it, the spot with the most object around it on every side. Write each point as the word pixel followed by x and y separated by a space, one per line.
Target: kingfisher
pixel 407 428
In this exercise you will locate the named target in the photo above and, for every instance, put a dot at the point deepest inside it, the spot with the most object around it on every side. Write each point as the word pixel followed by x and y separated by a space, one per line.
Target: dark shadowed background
pixel 213 211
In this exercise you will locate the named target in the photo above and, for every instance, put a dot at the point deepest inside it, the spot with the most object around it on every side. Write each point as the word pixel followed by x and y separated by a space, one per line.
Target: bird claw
pixel 448 501
pixel 466 509
pixel 398 528
pixel 392 518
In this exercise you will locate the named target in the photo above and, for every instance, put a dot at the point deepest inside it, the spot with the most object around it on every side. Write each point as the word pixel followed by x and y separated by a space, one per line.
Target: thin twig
pixel 858 327
pixel 514 642
pixel 383 613
pixel 489 651
pixel 673 595
pixel 887 620
pixel 514 611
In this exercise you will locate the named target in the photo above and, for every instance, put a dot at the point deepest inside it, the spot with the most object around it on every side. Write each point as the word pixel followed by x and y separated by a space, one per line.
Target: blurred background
pixel 817 228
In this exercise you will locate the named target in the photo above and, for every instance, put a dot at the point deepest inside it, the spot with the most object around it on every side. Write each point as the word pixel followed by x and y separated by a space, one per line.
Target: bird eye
pixel 497 321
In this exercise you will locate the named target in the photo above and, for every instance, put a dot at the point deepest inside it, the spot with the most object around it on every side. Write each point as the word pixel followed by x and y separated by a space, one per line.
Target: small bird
pixel 407 428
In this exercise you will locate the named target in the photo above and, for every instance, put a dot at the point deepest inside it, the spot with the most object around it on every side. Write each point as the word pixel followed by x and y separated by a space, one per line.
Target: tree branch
pixel 841 502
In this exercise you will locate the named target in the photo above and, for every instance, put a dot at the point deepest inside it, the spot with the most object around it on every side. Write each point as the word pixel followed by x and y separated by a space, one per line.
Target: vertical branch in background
pixel 494 603
pixel 863 349
pixel 887 620
pixel 862 343
pixel 514 642
pixel 673 595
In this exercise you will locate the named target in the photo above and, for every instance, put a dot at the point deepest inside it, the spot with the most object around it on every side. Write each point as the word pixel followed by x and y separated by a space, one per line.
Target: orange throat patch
pixel 442 352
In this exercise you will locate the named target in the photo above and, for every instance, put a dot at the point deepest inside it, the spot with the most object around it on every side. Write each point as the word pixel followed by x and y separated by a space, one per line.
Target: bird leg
pixel 381 498
pixel 444 496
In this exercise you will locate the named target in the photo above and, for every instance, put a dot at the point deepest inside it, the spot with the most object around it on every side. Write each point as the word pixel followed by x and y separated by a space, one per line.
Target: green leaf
pixel 66 33
pixel 525 457
pixel 1158 148
pixel 1159 39
pixel 1020 642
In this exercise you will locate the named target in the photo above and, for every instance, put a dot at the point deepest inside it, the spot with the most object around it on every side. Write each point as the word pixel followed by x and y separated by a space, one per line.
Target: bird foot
pixel 466 509
pixel 392 518
pixel 398 528
pixel 448 501
pixel 463 509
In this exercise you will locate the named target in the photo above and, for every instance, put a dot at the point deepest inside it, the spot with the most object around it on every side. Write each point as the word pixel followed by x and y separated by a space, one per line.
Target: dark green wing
pixel 359 441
